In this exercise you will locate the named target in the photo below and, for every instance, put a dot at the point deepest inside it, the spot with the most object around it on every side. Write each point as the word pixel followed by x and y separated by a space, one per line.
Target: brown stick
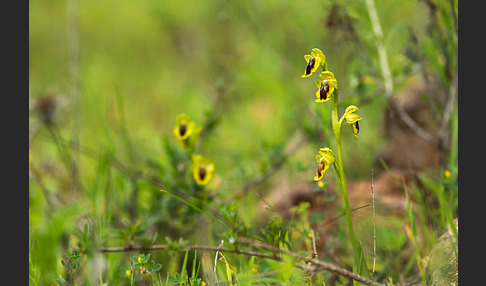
pixel 187 247
pixel 316 265
pixel 387 77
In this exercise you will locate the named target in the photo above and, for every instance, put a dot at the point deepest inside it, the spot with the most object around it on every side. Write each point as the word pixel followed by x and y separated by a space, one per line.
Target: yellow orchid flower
pixel 202 169
pixel 314 60
pixel 324 160
pixel 326 86
pixel 185 130
pixel 352 119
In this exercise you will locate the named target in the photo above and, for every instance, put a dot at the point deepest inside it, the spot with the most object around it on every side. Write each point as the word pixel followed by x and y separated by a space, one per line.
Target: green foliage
pixel 147 267
pixel 72 262
pixel 234 67
pixel 174 245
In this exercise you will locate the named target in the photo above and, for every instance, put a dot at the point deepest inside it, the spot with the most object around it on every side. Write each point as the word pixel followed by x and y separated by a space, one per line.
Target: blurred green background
pixel 144 62
pixel 168 57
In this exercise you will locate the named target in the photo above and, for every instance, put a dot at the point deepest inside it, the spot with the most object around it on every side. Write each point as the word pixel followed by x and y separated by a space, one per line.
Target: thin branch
pixel 216 262
pixel 318 265
pixel 343 214
pixel 444 129
pixel 374 223
pixel 315 266
pixel 387 77
pixel 433 102
pixel 187 247
pixel 314 248
pixel 74 71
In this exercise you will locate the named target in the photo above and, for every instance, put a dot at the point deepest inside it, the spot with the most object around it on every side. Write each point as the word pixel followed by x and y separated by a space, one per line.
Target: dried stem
pixel 314 248
pixel 374 223
pixel 387 77
pixel 216 262
pixel 315 265
pixel 74 71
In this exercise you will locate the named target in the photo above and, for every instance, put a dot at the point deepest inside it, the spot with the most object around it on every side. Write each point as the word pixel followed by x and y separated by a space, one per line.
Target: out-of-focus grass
pixel 165 58
pixel 144 62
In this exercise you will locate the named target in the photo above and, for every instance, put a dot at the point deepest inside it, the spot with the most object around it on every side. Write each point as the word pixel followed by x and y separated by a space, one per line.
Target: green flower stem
pixel 336 126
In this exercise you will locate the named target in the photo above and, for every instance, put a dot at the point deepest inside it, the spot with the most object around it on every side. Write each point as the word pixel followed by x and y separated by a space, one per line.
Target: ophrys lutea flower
pixel 352 119
pixel 201 169
pixel 326 86
pixel 314 60
pixel 324 160
pixel 185 130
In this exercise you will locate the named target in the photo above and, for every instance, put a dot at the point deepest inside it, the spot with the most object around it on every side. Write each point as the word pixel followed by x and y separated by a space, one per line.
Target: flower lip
pixel 182 129
pixel 202 172
pixel 324 89
pixel 326 86
pixel 310 66
pixel 202 169
pixel 324 160
pixel 320 167
pixel 314 60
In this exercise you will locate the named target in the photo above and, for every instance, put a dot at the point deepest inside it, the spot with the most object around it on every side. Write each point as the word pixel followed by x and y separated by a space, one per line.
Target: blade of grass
pixel 194 207
pixel 193 274
pixel 183 269
pixel 412 235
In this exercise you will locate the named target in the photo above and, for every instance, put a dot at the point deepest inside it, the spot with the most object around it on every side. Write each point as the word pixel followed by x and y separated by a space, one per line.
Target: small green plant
pixel 183 278
pixel 71 264
pixel 141 266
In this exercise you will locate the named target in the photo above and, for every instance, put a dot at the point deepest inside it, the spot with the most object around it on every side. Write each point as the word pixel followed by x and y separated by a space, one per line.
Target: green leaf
pixel 157 267
pixel 361 268
pixel 175 278
pixel 126 222
pixel 135 259
pixel 146 258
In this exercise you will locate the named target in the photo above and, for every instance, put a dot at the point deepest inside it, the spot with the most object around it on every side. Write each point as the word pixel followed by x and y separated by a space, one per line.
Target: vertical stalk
pixel 74 71
pixel 336 126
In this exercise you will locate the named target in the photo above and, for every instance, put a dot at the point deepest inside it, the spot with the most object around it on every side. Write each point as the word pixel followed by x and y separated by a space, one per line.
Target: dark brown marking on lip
pixel 320 168
pixel 202 172
pixel 182 129
pixel 310 65
pixel 324 89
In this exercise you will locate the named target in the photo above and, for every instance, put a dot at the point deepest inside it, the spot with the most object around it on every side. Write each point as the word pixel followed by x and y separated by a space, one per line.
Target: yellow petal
pixel 351 109
pixel 352 118
pixel 328 155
